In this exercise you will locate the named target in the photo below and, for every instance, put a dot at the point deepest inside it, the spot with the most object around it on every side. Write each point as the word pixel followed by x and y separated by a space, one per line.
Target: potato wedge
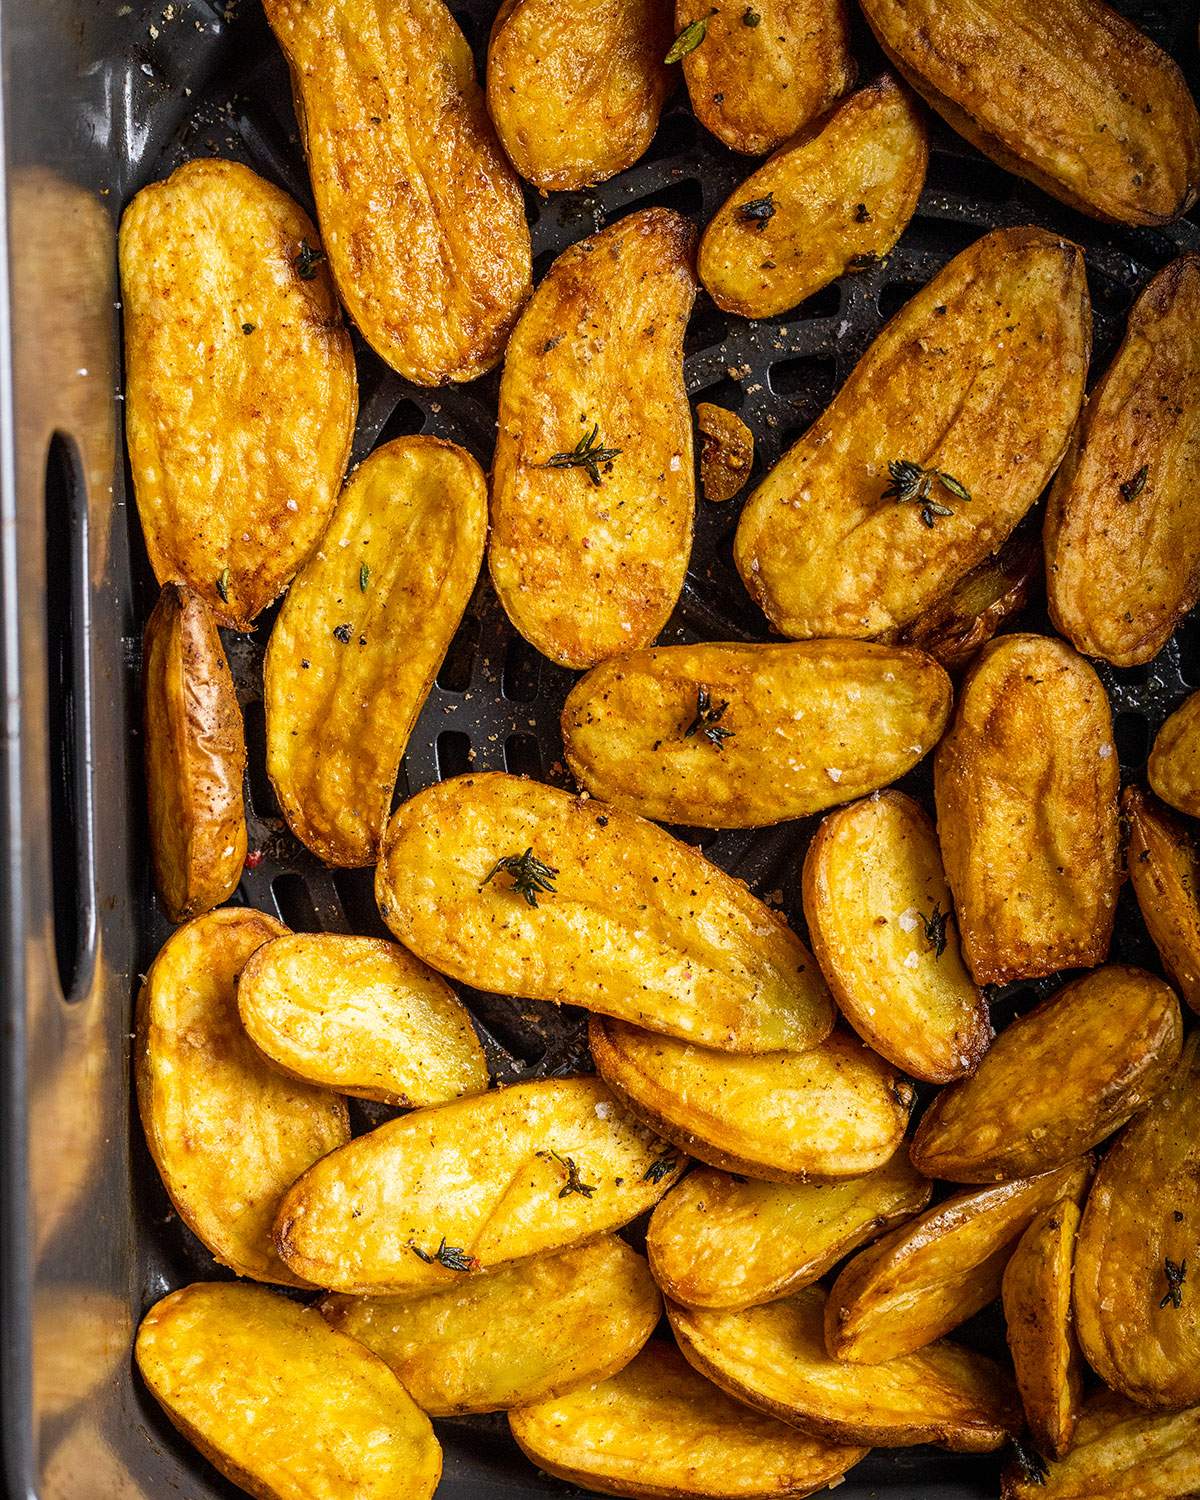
pixel 836 1110
pixel 421 215
pixel 1026 787
pixel 467 1186
pixel 195 757
pixel 1138 1316
pixel 240 393
pixel 593 483
pixel 282 1404
pixel 729 1242
pixel 1023 1111
pixel 528 1332
pixel 1174 768
pixel 1064 92
pixel 726 451
pixel 927 1277
pixel 228 1132
pixel 362 1017
pixel 773 1358
pixel 973 389
pixel 1164 869
pixel 839 193
pixel 738 736
pixel 660 1430
pixel 879 916
pixel 629 921
pixel 575 90
pixel 367 622
pixel 955 629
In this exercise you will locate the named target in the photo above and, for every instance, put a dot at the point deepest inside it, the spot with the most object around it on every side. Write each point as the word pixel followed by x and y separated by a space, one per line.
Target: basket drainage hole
pixel 454 674
pixel 522 755
pixel 521 672
pixel 262 793
pixel 297 909
pixel 453 753
pixel 1132 736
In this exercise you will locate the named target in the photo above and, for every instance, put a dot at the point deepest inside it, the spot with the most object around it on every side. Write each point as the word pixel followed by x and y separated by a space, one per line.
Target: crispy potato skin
pixel 997 346
pixel 282 1404
pixel 421 215
pixel 660 1430
pixel 237 440
pixel 1174 768
pixel 527 1332
pixel 575 90
pixel 1164 869
pixel 726 451
pixel 195 757
pixel 872 875
pixel 1026 789
pixel 843 190
pixel 638 924
pixel 588 570
pixel 810 723
pixel 414 516
pixel 954 630
pixel 1064 92
pixel 1023 1112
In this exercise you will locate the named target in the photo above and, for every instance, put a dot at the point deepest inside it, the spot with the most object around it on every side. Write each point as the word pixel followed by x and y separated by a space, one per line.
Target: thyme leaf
pixel 662 1166
pixel 750 17
pixel 1132 488
pixel 757 211
pixel 688 39
pixel 913 485
pixel 935 928
pixel 1176 1274
pixel 574 1183
pixel 450 1256
pixel 364 577
pixel 306 260
pixel 708 719
pixel 529 875
pixel 587 454
pixel 223 585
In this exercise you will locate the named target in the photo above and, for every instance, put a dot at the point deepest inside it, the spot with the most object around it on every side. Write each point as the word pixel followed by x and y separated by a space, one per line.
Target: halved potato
pixel 836 1110
pixel 1174 768
pixel 1057 1082
pixel 360 1016
pixel 466 1186
pixel 882 929
pixel 954 630
pixel 527 1332
pixel 240 393
pixel 972 389
pixel 516 887
pixel 660 1430
pixel 593 484
pixel 929 1276
pixel 1026 786
pixel 839 193
pixel 362 632
pixel 773 1358
pixel 1164 869
pixel 228 1132
pixel 737 736
pixel 726 451
pixel 282 1404
pixel 421 215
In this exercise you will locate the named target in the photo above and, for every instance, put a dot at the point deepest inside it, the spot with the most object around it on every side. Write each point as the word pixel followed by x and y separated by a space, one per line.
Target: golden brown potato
pixel 593 483
pixel 737 736
pixel 362 1017
pixel 240 394
pixel 731 1242
pixel 440 1193
pixel 527 1332
pixel 834 1111
pixel 1041 1327
pixel 282 1404
pixel 1064 92
pixel 519 888
pixel 1057 1082
pixel 661 1431
pixel 195 757
pixel 365 625
pixel 954 629
pixel 1026 786
pixel 927 1277
pixel 421 215
pixel 882 929
pixel 972 389
pixel 1138 1315
pixel 773 1358
pixel 837 195
pixel 576 90
pixel 1174 769
pixel 1164 868
pixel 228 1132
pixel 726 451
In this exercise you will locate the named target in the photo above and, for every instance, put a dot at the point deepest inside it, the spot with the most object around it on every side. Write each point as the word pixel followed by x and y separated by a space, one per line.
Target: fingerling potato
pixel 954 630
pixel 1174 768
pixel 1164 869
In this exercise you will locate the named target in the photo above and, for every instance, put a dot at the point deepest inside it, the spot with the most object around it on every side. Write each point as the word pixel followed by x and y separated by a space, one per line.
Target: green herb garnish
pixel 1176 1274
pixel 223 585
pixel 449 1256
pixel 913 485
pixel 757 211
pixel 662 1166
pixel 529 875
pixel 364 577
pixel 688 40
pixel 708 719
pixel 342 633
pixel 307 260
pixel 247 327
pixel 574 1183
pixel 1132 488
pixel 588 453
pixel 935 929
pixel 750 17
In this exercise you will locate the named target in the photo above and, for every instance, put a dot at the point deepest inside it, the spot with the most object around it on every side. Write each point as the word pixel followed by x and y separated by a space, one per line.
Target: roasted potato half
pixel 738 736
pixel 593 483
pixel 282 1404
pixel 955 629
pixel 240 393
pixel 228 1132
pixel 972 389
pixel 1164 869
pixel 882 929
pixel 1174 768
pixel 726 451
pixel 837 195
pixel 1026 788
pixel 367 623
pixel 528 1332
pixel 520 888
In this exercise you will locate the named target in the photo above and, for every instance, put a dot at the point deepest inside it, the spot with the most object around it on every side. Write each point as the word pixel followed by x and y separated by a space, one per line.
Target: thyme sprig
pixel 913 485
pixel 587 454
pixel 450 1256
pixel 529 875
pixel 1176 1274
pixel 708 719
pixel 1132 488
pixel 662 1166
pixel 574 1183
pixel 935 928
pixel 757 211
pixel 306 260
